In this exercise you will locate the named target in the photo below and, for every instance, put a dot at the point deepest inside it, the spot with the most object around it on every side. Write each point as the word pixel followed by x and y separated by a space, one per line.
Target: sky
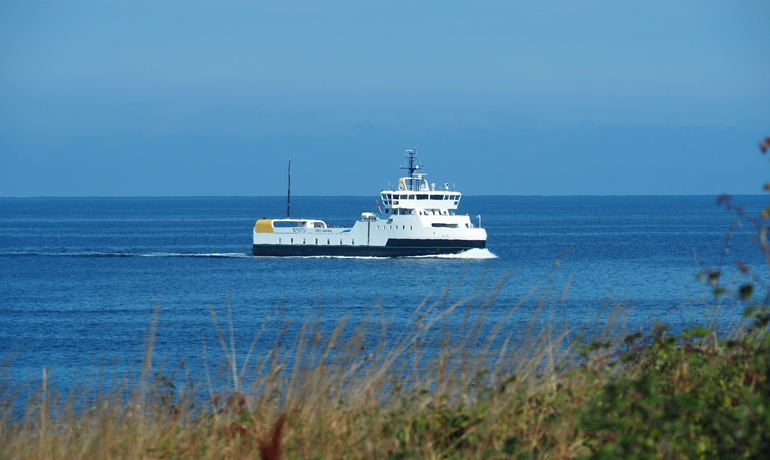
pixel 189 98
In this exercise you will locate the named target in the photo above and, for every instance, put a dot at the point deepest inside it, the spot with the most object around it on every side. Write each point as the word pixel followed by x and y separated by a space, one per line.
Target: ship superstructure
pixel 416 220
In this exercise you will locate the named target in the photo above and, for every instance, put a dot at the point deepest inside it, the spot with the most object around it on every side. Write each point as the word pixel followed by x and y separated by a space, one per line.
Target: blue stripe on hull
pixel 404 248
pixel 412 243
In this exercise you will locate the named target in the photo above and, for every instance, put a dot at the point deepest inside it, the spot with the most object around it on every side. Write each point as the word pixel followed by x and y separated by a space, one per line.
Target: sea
pixel 80 278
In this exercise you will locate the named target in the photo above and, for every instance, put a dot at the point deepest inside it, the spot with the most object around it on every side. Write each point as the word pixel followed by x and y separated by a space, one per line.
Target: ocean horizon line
pixel 97 197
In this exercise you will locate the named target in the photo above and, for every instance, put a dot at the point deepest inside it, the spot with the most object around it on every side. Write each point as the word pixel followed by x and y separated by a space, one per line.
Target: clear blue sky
pixel 170 98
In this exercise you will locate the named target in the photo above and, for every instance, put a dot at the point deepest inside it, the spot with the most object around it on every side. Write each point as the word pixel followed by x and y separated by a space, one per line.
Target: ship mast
pixel 288 197
pixel 411 155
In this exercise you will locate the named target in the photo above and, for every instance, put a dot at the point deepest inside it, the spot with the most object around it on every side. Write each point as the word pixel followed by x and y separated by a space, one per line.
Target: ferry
pixel 416 219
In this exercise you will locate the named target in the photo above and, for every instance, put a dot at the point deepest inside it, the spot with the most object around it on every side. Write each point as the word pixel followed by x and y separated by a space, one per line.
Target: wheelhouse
pixel 414 194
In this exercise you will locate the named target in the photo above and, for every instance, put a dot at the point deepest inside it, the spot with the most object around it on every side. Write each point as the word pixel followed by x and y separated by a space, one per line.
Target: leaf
pixel 746 291
pixel 510 445
pixel 701 332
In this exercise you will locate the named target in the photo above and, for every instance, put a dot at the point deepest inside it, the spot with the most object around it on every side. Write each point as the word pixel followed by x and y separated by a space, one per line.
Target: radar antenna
pixel 411 155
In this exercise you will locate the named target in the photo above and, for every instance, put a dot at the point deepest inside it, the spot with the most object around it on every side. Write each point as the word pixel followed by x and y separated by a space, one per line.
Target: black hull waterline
pixel 393 248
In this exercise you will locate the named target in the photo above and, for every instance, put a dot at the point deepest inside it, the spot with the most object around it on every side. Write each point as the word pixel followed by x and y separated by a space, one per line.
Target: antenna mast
pixel 411 155
pixel 288 197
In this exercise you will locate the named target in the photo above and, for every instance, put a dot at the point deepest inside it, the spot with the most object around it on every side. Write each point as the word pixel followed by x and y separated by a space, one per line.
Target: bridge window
pixel 422 197
pixel 410 197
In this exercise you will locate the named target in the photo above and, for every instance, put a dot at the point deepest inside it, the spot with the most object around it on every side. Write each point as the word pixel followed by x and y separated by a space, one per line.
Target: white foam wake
pixel 475 253
pixel 214 254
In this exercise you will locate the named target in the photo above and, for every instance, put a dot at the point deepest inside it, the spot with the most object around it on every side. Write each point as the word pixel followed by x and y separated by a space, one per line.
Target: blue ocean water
pixel 79 277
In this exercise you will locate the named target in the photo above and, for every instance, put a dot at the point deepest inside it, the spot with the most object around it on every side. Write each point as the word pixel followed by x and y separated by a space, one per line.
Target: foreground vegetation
pixel 478 391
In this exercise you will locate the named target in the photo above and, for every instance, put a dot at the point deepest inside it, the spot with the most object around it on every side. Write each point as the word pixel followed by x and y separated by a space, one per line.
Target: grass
pixel 455 385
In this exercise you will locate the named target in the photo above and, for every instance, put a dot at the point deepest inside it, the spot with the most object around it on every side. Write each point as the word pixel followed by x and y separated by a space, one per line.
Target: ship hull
pixel 393 248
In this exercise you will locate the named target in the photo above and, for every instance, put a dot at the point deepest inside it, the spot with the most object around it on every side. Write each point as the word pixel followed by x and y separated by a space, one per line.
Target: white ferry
pixel 416 219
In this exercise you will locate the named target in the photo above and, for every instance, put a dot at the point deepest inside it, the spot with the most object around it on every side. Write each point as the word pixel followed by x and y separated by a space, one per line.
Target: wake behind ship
pixel 416 220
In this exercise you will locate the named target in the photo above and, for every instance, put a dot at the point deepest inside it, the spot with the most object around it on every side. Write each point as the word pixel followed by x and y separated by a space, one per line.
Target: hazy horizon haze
pixel 553 98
